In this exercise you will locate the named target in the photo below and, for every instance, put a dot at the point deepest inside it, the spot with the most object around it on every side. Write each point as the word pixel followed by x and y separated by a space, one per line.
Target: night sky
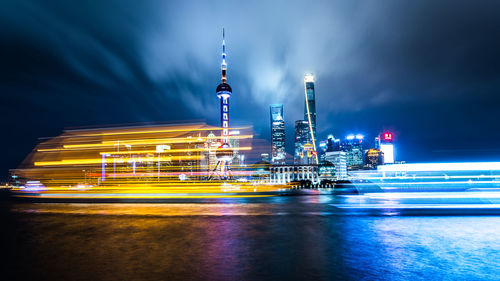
pixel 427 70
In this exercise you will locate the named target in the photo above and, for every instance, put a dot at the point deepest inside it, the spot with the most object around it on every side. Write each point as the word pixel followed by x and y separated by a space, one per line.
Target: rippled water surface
pixel 294 238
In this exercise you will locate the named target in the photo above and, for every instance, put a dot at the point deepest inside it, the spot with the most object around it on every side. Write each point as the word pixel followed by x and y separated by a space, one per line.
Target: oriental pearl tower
pixel 224 152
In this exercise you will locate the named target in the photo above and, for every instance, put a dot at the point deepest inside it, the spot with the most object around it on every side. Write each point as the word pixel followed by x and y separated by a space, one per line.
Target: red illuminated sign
pixel 387 137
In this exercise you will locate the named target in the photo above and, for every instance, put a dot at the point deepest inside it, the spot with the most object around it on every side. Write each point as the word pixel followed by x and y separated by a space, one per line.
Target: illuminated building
pixel 224 91
pixel 352 145
pixel 374 157
pixel 323 145
pixel 294 173
pixel 308 155
pixel 302 137
pixel 314 174
pixel 277 134
pixel 385 144
pixel 310 110
pixel 339 160
pixel 331 144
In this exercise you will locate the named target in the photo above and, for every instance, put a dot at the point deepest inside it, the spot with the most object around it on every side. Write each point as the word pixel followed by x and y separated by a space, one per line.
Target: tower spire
pixel 224 93
pixel 223 65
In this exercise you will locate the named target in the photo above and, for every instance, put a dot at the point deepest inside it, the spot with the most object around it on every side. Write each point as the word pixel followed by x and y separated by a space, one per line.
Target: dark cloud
pixel 429 70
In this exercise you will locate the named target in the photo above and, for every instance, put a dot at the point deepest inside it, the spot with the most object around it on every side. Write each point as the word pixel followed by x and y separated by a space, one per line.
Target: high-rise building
pixel 329 145
pixel 386 145
pixel 302 137
pixel 310 108
pixel 277 134
pixel 374 157
pixel 332 144
pixel 352 145
pixel 339 160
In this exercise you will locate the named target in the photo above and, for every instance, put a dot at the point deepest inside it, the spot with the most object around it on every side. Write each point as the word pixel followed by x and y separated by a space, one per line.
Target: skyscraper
pixel 302 137
pixel 339 160
pixel 332 144
pixel 374 157
pixel 329 145
pixel 353 147
pixel 310 108
pixel 277 134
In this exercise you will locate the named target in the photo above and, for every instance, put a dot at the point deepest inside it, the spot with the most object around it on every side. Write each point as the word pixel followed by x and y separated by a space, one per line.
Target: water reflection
pixel 294 238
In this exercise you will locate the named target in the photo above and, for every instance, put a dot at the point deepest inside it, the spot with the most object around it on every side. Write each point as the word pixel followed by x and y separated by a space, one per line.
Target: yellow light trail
pixel 114 160
pixel 75 168
pixel 150 197
pixel 169 140
pixel 173 150
pixel 161 131
pixel 151 141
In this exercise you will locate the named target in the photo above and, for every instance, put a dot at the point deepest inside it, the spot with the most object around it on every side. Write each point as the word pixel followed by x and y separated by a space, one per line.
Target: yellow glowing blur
pixel 169 161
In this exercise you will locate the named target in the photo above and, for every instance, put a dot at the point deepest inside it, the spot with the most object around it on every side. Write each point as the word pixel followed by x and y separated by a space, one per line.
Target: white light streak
pixel 427 167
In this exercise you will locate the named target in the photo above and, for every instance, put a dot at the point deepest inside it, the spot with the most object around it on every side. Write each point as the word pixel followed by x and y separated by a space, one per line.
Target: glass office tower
pixel 310 110
pixel 302 137
pixel 310 103
pixel 277 134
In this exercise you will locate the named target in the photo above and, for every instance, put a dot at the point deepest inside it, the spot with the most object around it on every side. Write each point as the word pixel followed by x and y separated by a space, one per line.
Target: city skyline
pixel 250 140
pixel 414 83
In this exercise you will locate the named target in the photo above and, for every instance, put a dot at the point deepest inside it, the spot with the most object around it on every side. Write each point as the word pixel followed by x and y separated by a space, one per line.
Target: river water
pixel 289 238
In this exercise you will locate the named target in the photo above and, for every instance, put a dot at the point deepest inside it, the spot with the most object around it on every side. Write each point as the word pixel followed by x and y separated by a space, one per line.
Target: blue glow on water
pixel 320 237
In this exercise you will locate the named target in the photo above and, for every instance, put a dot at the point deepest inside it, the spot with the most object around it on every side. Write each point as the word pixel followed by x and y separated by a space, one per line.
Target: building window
pixel 224 108
pixel 224 123
pixel 224 116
